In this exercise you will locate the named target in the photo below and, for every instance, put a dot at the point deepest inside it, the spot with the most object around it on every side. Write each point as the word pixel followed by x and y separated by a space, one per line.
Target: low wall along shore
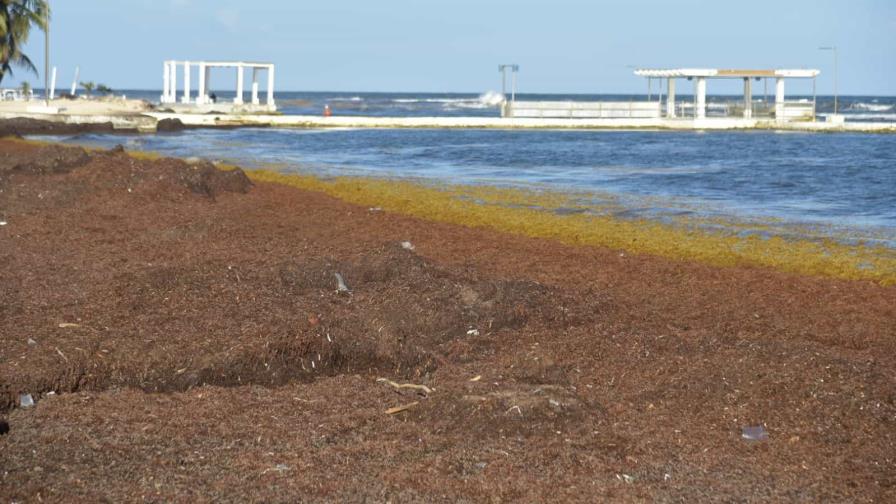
pixel 147 122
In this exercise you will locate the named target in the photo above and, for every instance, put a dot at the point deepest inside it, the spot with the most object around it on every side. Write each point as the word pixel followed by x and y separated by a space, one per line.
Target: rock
pixel 169 125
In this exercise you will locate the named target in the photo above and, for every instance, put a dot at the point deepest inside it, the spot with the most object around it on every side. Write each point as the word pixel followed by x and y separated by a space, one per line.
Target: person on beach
pixel 213 97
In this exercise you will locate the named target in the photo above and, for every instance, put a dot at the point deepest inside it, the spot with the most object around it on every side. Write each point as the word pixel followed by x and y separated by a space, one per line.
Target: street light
pixel 834 50
pixel 47 54
pixel 503 69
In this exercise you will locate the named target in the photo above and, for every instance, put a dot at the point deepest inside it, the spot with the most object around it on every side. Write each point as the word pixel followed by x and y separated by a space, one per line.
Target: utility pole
pixel 834 50
pixel 47 54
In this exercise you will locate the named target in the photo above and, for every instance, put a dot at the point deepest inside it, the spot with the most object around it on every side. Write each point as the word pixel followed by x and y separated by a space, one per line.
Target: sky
pixel 562 46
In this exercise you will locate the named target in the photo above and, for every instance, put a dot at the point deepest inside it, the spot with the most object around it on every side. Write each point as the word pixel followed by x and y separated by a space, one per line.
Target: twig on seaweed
pixel 423 388
pixel 403 407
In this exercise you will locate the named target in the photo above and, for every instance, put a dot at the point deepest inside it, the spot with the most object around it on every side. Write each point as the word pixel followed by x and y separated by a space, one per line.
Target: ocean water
pixel 840 186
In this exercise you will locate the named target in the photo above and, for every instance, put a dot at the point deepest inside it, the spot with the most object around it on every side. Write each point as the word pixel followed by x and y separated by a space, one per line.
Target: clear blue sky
pixel 576 46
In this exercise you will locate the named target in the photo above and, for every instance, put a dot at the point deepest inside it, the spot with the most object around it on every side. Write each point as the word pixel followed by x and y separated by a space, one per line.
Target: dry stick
pixel 399 409
pixel 423 388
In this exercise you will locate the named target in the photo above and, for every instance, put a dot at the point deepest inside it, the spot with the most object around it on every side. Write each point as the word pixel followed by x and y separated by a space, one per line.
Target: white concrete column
pixel 200 93
pixel 271 85
pixel 166 82
pixel 239 85
pixel 779 100
pixel 254 85
pixel 700 112
pixel 53 84
pixel 172 98
pixel 748 98
pixel 208 84
pixel 670 98
pixel 186 98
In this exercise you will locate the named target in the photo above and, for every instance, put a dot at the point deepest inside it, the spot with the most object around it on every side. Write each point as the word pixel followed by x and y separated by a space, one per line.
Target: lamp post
pixel 514 68
pixel 834 50
pixel 47 54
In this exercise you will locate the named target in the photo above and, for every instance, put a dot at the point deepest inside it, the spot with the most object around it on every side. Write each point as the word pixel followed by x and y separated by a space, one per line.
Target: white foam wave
pixel 347 99
pixel 871 107
pixel 485 100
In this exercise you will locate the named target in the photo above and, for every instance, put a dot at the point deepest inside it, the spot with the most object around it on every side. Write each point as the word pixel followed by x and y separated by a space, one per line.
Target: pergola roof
pixel 720 73
pixel 233 64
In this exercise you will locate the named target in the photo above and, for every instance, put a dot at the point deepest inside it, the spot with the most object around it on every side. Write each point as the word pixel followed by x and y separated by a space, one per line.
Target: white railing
pixel 582 110
pixel 794 110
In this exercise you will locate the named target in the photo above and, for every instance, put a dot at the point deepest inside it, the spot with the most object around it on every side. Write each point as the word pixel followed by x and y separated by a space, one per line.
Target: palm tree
pixel 88 86
pixel 16 19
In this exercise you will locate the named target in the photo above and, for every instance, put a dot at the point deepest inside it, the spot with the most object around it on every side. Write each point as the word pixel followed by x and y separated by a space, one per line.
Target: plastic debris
pixel 473 332
pixel 626 478
pixel 26 401
pixel 4 427
pixel 340 284
pixel 407 245
pixel 754 433
pixel 3 222
pixel 280 468
pixel 31 342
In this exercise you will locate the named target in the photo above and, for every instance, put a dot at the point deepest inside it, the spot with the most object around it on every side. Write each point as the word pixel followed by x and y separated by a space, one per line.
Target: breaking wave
pixel 870 107
pixel 488 99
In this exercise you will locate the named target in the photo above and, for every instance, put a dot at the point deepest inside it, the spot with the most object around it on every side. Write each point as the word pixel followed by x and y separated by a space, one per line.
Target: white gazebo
pixel 170 91
pixel 783 110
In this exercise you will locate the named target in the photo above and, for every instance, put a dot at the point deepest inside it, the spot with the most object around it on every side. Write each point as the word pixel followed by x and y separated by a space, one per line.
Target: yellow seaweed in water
pixel 531 213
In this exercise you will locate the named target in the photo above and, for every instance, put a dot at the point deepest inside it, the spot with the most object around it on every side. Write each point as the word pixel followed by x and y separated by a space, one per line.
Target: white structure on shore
pixel 780 111
pixel 783 110
pixel 204 97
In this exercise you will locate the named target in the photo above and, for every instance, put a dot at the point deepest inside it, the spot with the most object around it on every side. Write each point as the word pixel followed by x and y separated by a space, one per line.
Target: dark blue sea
pixel 839 185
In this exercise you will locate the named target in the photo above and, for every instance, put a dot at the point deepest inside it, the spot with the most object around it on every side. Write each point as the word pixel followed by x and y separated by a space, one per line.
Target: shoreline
pixel 191 329
pixel 543 214
pixel 149 121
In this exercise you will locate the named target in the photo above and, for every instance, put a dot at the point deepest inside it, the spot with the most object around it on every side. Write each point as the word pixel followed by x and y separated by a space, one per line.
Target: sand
pixel 97 105
pixel 183 336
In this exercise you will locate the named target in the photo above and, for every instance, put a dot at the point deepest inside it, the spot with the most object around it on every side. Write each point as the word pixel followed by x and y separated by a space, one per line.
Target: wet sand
pixel 190 326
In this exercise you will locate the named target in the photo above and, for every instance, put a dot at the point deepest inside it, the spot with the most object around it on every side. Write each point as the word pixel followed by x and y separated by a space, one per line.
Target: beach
pixel 183 334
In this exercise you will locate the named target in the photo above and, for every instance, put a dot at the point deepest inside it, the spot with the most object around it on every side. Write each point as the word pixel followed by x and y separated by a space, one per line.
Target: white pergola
pixel 701 74
pixel 169 89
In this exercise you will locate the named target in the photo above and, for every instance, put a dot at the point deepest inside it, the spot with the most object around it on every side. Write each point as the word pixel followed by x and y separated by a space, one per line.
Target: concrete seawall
pixel 146 122
pixel 296 121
